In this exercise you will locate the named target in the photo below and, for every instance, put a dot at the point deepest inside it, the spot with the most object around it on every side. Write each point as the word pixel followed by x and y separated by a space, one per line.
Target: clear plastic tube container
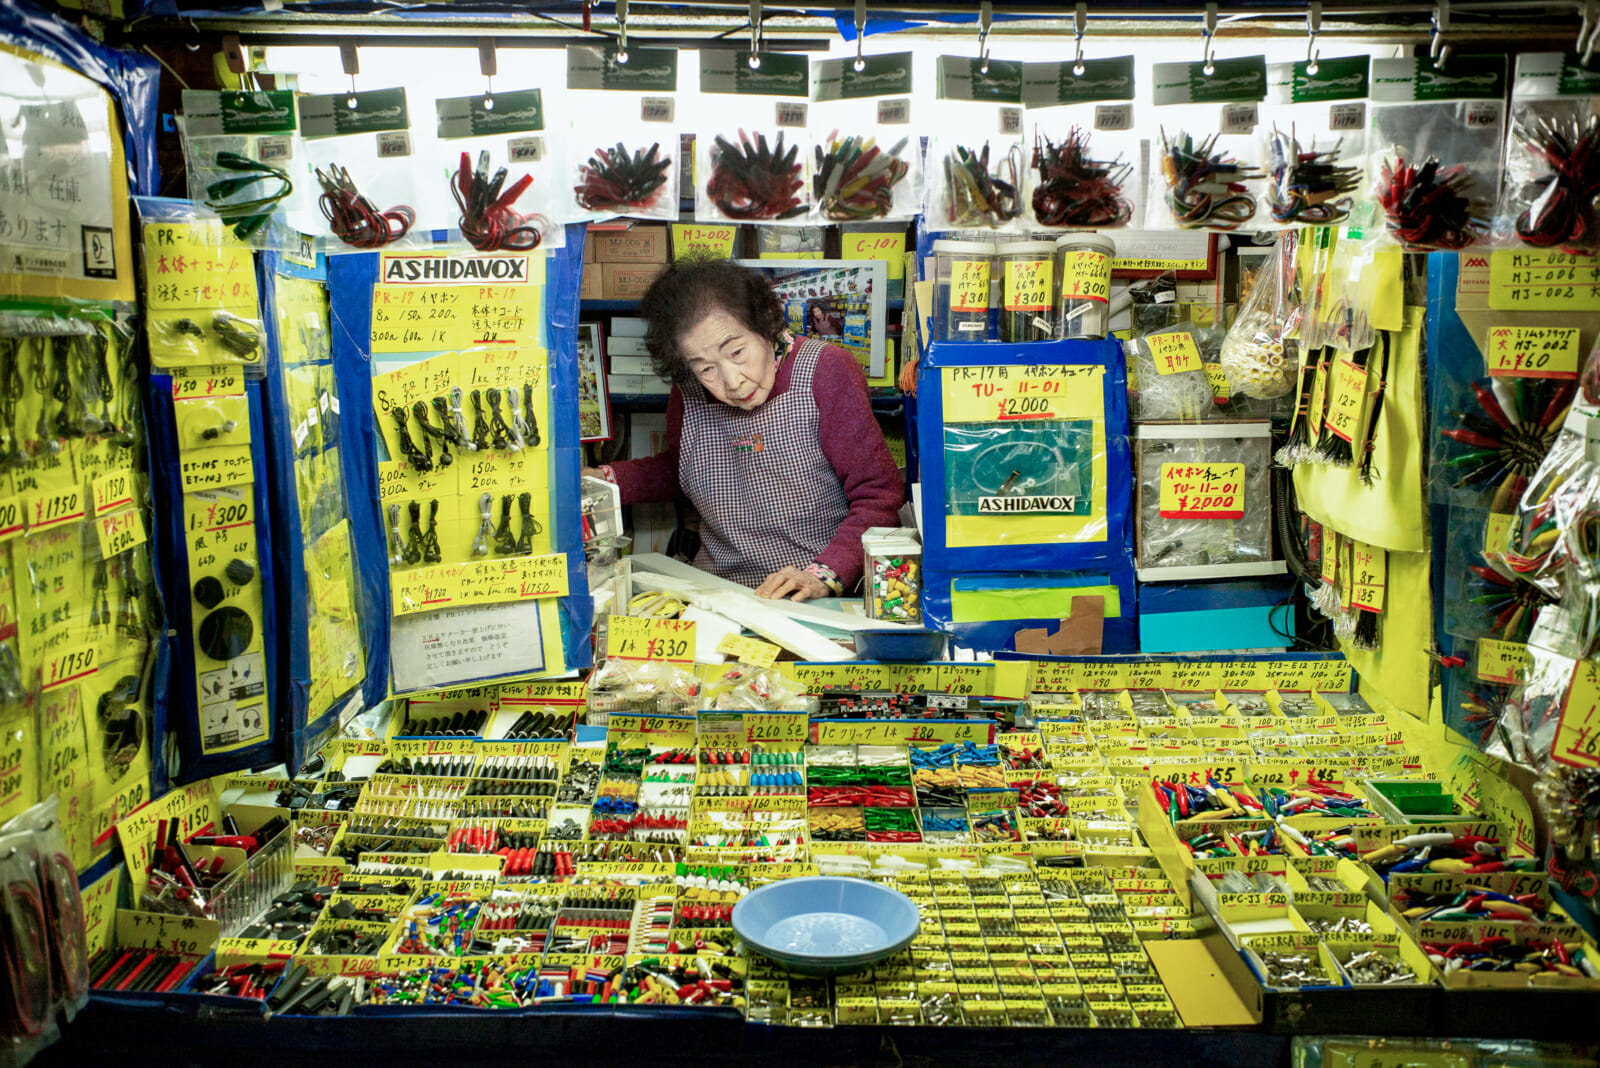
pixel 1027 294
pixel 961 275
pixel 1083 285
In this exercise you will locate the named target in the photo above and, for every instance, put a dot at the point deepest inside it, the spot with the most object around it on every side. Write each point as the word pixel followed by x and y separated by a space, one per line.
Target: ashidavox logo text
pixel 464 269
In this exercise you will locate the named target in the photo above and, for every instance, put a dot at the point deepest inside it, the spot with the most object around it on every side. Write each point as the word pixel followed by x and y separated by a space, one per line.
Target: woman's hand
pixel 792 583
pixel 593 472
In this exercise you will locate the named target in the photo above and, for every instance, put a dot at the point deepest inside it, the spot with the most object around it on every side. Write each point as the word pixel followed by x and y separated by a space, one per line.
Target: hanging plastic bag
pixel 1084 171
pixel 623 148
pixel 866 161
pixel 1207 150
pixel 1435 147
pixel 1259 353
pixel 239 152
pixel 1314 141
pixel 1552 179
pixel 752 148
pixel 360 145
pixel 975 153
pixel 1172 381
pixel 505 181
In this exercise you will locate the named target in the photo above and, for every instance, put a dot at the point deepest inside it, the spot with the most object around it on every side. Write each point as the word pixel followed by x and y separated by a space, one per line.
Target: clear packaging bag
pixel 752 148
pixel 1208 154
pixel 505 181
pixel 1434 147
pixel 1532 712
pixel 359 146
pixel 1205 501
pixel 866 161
pixel 1173 386
pixel 1529 544
pixel 1314 141
pixel 29 1024
pixel 239 152
pixel 1259 353
pixel 1085 168
pixel 623 146
pixel 1552 170
pixel 200 294
pixel 975 153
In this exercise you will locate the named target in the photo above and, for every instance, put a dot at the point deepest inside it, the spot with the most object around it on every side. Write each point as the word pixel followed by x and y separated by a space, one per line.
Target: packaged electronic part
pixel 1552 170
pixel 1434 149
pixel 975 155
pixel 506 181
pixel 752 149
pixel 239 153
pixel 632 168
pixel 1204 501
pixel 1209 157
pixel 1084 171
pixel 866 166
pixel 359 145
pixel 201 306
pixel 894 574
pixel 1171 382
pixel 1259 354
pixel 1314 141
pixel 962 271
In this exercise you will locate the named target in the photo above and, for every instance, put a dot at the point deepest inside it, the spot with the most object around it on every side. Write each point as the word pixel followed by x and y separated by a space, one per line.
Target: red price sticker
pixel 1533 351
pixel 1202 491
pixel 1174 353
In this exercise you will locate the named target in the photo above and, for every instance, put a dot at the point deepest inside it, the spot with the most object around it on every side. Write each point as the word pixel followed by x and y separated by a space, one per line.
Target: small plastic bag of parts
pixel 499 213
pixel 1083 168
pixel 1207 156
pixel 371 187
pixel 633 169
pixel 758 690
pixel 752 147
pixel 975 152
pixel 1435 162
pixel 1313 141
pixel 1552 165
pixel 197 337
pixel 1217 511
pixel 1533 548
pixel 63 906
pixel 505 182
pixel 672 690
pixel 1165 394
pixel 1532 711
pixel 27 1017
pixel 865 161
pixel 1258 353
pixel 245 177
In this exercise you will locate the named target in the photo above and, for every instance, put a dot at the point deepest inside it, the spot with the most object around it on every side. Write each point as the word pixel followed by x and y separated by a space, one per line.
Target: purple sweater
pixel 848 437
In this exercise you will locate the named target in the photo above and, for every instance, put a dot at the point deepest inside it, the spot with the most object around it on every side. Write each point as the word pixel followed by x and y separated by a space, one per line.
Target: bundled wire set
pixel 854 179
pixel 1563 212
pixel 246 216
pixel 353 218
pixel 1429 207
pixel 487 221
pixel 1205 188
pixel 976 196
pixel 1075 190
pixel 752 181
pixel 614 180
pixel 43 942
pixel 1308 187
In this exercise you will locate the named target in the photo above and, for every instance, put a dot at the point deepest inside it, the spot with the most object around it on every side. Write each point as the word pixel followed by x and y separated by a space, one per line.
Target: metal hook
pixel 861 32
pixel 1589 32
pixel 622 33
pixel 1438 51
pixel 985 19
pixel 1209 33
pixel 488 66
pixel 755 34
pixel 1080 26
pixel 1313 27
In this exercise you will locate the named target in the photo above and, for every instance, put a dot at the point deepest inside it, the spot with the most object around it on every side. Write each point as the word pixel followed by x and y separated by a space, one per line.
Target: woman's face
pixel 733 363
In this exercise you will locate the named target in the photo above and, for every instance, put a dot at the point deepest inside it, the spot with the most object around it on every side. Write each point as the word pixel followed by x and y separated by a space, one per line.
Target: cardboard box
pixel 591 287
pixel 627 326
pixel 631 365
pixel 639 244
pixel 621 345
pixel 627 281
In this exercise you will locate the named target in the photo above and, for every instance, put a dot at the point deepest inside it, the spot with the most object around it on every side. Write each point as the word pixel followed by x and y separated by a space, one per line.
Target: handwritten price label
pixel 112 491
pixel 120 531
pixel 1533 351
pixel 969 285
pixel 748 650
pixel 988 394
pixel 890 248
pixel 1527 280
pixel 1497 532
pixel 1503 662
pixel 1577 740
pixel 45 510
pixel 1027 285
pixel 635 638
pixel 70 666
pixel 1202 491
pixel 1220 389
pixel 1348 399
pixel 714 241
pixel 189 384
pixel 1369 574
pixel 1086 275
pixel 1174 353
pixel 13 520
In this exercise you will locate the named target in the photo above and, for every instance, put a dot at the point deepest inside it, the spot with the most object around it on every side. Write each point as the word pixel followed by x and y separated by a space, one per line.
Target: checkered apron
pixel 767 496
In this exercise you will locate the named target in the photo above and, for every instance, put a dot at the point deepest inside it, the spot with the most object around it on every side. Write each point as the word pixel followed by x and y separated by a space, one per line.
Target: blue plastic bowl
pixel 826 924
pixel 907 644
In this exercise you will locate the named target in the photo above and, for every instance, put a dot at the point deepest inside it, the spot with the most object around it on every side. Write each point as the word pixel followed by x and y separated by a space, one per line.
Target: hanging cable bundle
pixel 246 216
pixel 1205 189
pixel 1075 190
pixel 487 221
pixel 1297 448
pixel 614 180
pixel 752 181
pixel 1308 187
pixel 1563 212
pixel 353 218
pixel 1428 207
pixel 854 179
pixel 1377 381
pixel 976 196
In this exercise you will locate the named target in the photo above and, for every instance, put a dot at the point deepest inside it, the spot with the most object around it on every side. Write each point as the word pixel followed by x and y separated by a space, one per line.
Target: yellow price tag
pixel 1221 391
pixel 120 531
pixel 1577 740
pixel 694 239
pixel 1530 280
pixel 1497 532
pixel 1086 275
pixel 1027 285
pixel 1330 556
pixel 197 265
pixel 890 248
pixel 13 520
pixel 42 511
pixel 1347 400
pixel 1502 662
pixel 1533 351
pixel 70 666
pixel 969 285
pixel 638 638
pixel 1174 353
pixel 1369 574
pixel 1202 491
pixel 748 650
pixel 1007 394
pixel 112 491
pixel 200 383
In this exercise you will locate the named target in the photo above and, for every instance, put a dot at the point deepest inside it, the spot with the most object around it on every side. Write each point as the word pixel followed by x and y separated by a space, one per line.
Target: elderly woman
pixel 770 437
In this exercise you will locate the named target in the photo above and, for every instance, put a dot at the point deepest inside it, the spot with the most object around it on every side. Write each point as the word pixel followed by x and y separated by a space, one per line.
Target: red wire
pixel 25 960
pixel 65 912
pixel 354 220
